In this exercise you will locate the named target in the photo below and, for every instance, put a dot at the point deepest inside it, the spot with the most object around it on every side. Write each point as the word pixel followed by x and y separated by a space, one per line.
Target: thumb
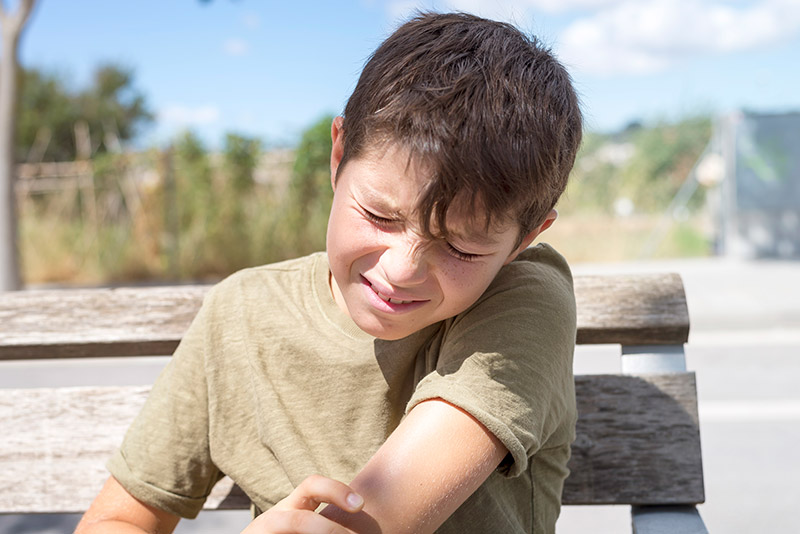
pixel 316 490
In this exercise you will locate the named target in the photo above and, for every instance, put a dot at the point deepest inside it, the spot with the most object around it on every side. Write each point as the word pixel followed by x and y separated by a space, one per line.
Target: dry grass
pixel 602 238
pixel 59 244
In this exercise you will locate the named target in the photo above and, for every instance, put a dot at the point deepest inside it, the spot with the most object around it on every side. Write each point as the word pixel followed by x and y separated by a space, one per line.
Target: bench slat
pixel 70 323
pixel 633 437
pixel 634 309
pixel 642 309
pixel 638 441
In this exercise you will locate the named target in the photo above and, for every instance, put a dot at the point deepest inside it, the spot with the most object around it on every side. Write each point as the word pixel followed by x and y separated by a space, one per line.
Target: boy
pixel 426 359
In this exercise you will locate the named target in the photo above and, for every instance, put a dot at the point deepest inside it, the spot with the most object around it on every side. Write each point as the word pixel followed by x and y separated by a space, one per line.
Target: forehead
pixel 388 174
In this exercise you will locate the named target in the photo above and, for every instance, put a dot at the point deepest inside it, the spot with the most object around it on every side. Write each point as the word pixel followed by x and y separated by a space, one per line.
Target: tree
pixel 11 24
pixel 46 119
pixel 112 107
pixel 107 113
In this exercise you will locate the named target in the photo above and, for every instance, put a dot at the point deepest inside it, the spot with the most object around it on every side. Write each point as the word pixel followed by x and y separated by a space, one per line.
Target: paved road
pixel 744 346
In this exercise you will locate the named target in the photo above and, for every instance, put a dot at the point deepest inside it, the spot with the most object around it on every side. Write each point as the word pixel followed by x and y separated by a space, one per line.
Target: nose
pixel 405 262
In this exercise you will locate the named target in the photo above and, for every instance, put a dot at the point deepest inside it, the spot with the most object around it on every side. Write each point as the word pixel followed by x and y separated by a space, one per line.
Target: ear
pixel 337 151
pixel 533 234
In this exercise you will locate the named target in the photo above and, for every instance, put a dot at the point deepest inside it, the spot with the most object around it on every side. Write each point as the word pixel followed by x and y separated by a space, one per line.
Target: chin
pixel 385 333
pixel 391 334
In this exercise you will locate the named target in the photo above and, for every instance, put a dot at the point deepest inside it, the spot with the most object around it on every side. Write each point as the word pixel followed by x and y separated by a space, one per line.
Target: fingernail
pixel 354 500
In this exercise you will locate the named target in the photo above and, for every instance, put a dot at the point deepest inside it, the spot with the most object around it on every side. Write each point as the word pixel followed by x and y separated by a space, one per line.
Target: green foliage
pixel 594 183
pixel 48 110
pixel 241 157
pixel 664 156
pixel 112 106
pixel 184 213
pixel 310 192
pixel 231 232
pixel 213 230
pixel 110 111
pixel 645 164
pixel 193 179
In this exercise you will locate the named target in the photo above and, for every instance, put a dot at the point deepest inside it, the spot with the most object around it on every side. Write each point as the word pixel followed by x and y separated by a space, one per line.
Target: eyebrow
pixel 478 238
pixel 377 201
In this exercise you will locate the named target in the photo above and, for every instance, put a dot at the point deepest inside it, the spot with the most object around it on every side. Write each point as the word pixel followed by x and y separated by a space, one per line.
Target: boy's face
pixel 386 275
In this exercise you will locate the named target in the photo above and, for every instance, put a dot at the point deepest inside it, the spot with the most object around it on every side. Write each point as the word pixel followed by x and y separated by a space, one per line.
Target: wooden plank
pixel 637 444
pixel 56 442
pixel 646 309
pixel 70 323
pixel 639 309
pixel 638 441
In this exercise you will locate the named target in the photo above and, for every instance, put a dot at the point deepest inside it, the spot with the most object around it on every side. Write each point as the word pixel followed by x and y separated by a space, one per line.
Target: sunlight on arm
pixel 435 459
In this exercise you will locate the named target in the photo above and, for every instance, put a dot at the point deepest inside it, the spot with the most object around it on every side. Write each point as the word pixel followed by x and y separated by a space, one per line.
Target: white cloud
pixel 638 37
pixel 236 47
pixel 184 116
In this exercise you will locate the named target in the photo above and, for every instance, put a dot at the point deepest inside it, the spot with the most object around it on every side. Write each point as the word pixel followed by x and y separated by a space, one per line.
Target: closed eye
pixel 463 256
pixel 381 222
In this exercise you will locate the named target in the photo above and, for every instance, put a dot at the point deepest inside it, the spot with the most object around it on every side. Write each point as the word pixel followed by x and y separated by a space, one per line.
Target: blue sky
pixel 269 68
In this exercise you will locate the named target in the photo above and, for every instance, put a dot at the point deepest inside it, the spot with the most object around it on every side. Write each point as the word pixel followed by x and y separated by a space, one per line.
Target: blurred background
pixel 178 142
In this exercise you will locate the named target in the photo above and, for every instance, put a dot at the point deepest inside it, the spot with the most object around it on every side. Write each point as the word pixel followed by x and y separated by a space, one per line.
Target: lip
pixel 408 304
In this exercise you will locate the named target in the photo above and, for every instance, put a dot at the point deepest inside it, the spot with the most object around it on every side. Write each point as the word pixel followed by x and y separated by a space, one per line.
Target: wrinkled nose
pixel 405 263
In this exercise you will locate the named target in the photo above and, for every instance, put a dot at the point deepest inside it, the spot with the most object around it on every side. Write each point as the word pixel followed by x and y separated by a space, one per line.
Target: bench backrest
pixel 638 438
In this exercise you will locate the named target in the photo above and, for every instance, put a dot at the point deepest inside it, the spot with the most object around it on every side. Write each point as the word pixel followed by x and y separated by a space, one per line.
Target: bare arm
pixel 116 510
pixel 433 461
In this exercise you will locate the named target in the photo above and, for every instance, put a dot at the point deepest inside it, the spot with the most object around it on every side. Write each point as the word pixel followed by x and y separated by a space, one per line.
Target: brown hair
pixel 488 111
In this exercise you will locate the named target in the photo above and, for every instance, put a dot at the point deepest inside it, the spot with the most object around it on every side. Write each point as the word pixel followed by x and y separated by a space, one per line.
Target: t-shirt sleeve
pixel 164 459
pixel 507 360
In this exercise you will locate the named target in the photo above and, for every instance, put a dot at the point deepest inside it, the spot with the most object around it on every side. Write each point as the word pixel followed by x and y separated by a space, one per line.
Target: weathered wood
pixel 646 309
pixel 641 309
pixel 69 323
pixel 55 443
pixel 637 443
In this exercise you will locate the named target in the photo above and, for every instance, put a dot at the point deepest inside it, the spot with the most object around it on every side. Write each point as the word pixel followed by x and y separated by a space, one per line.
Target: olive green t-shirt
pixel 273 383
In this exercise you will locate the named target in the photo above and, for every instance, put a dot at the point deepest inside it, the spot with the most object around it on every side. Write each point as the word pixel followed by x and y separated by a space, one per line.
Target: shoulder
pixel 538 278
pixel 283 269
pixel 530 302
pixel 540 265
pixel 256 281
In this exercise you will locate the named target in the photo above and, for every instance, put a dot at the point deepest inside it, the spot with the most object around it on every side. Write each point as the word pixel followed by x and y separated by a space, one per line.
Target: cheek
pixel 343 228
pixel 351 240
pixel 465 281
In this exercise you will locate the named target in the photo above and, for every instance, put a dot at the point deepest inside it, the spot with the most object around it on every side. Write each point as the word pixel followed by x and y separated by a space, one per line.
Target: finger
pixel 304 522
pixel 317 489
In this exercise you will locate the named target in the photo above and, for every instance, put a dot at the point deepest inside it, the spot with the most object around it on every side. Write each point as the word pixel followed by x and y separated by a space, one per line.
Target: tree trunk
pixel 12 25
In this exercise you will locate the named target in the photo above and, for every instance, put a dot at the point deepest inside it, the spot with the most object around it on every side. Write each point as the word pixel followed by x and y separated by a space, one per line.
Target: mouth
pixel 397 302
pixel 389 299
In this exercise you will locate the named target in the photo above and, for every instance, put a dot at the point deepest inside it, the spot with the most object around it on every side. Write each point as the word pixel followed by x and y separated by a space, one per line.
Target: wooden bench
pixel 638 439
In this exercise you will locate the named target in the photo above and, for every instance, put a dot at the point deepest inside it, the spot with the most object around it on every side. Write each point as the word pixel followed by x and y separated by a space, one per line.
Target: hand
pixel 295 514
